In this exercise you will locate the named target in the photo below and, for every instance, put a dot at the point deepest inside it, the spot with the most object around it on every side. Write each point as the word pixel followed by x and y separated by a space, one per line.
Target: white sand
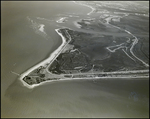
pixel 49 61
pixel 61 20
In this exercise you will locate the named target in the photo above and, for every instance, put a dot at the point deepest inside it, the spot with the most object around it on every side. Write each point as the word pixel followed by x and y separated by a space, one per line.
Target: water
pixel 22 48
pixel 79 98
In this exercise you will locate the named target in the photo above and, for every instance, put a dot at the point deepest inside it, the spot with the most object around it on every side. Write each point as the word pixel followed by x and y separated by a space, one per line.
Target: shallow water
pixel 22 48
pixel 79 98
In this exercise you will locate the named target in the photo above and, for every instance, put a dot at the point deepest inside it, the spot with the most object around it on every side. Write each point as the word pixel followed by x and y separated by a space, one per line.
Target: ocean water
pixel 22 48
pixel 79 98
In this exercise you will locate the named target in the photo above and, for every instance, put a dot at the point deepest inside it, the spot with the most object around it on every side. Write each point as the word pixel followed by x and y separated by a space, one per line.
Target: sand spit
pixel 93 9
pixel 61 20
pixel 77 25
pixel 41 28
pixel 49 61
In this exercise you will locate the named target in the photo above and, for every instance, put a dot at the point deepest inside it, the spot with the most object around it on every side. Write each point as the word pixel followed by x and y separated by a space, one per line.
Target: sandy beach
pixel 48 60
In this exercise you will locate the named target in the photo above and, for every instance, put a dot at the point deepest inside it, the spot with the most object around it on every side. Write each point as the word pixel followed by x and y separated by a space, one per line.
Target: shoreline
pixel 89 78
pixel 48 61
pixel 93 9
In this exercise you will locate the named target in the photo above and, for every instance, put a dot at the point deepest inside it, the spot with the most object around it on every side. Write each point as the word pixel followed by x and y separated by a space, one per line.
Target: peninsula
pixel 103 47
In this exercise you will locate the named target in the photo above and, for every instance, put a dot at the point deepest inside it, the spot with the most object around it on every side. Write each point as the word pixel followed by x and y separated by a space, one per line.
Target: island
pixel 109 46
